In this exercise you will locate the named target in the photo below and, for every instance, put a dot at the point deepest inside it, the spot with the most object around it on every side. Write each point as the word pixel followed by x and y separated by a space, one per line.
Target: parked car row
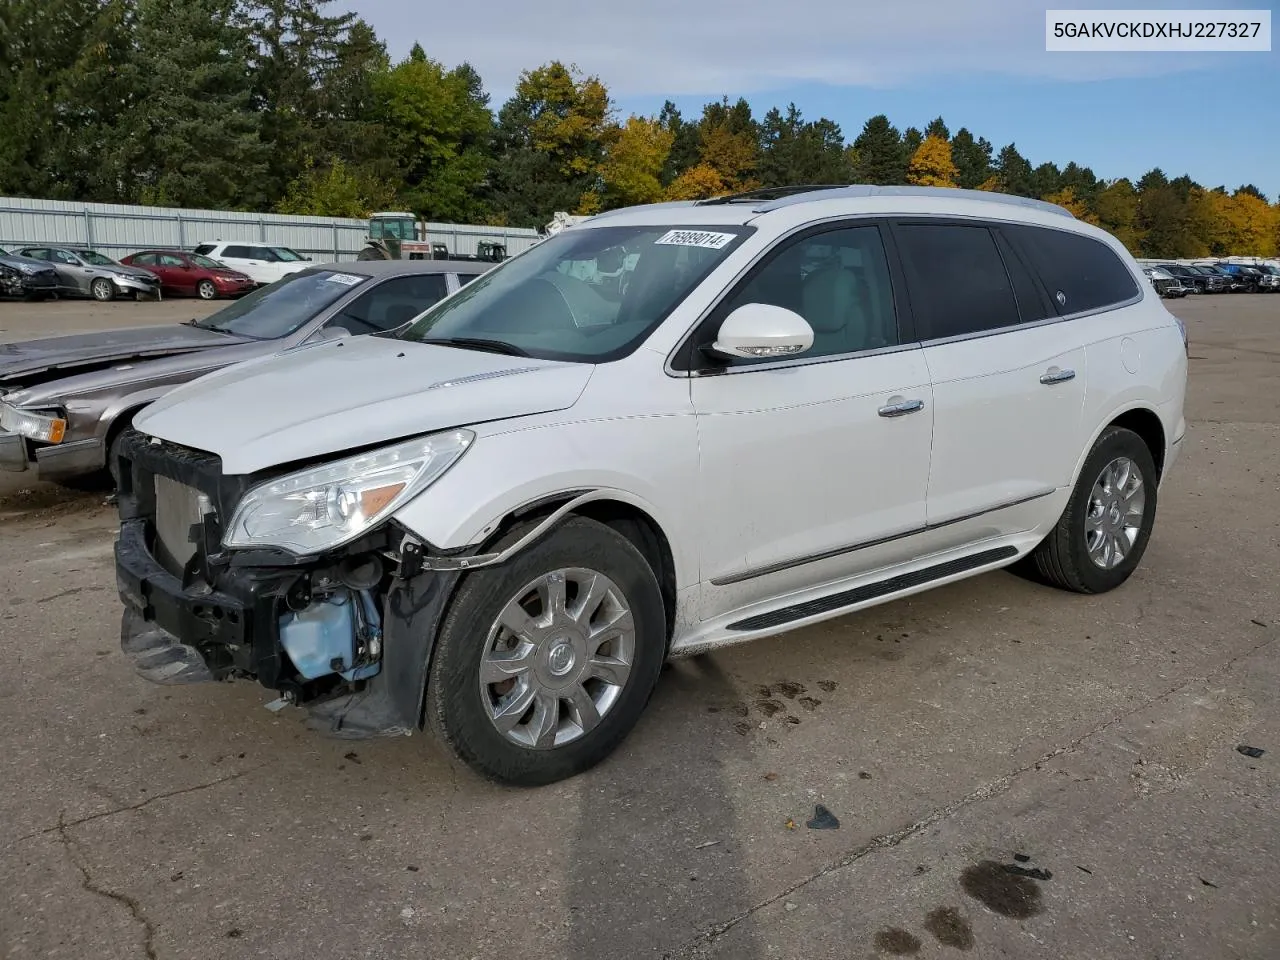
pixel 211 271
pixel 1173 279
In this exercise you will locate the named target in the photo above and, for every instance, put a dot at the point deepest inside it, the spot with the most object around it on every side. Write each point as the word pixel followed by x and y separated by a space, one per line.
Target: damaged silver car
pixel 65 400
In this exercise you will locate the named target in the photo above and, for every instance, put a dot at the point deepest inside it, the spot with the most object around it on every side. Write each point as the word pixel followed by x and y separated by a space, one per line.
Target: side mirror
pixel 758 330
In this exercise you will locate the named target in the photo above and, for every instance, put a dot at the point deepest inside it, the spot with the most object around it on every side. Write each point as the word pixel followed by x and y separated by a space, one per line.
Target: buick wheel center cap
pixel 561 659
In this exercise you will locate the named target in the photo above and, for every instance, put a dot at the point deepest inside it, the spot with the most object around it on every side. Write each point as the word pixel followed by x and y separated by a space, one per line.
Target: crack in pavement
pixel 87 883
pixel 690 948
pixel 62 824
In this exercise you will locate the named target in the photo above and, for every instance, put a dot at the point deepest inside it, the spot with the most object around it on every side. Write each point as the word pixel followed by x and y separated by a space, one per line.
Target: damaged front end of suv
pixel 297 579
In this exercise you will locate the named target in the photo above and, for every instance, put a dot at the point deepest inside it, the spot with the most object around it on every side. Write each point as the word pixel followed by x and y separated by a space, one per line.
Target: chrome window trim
pixel 878 218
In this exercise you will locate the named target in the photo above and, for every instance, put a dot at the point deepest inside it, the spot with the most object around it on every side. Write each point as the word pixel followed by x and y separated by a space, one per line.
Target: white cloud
pixel 661 48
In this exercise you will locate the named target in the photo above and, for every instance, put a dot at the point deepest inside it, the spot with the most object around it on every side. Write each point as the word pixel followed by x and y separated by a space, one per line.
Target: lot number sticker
pixel 695 238
pixel 343 278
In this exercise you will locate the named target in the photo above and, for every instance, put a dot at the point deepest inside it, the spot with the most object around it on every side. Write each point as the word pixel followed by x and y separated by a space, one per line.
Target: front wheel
pixel 1102 534
pixel 102 289
pixel 544 665
pixel 205 290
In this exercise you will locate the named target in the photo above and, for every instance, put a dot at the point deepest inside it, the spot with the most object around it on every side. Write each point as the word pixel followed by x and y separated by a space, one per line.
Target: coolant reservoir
pixel 323 632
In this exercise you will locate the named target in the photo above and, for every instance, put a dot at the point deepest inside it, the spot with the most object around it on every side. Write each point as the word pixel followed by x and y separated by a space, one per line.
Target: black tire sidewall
pixel 454 709
pixel 1114 442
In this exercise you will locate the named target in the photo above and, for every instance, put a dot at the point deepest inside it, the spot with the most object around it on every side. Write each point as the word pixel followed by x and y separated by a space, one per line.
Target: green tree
pixel 729 143
pixel 305 63
pixel 684 143
pixel 1014 173
pixel 550 140
pixel 972 159
pixel 911 140
pixel 937 128
pixel 1116 208
pixel 881 157
pixel 192 137
pixel 438 129
pixel 794 151
pixel 336 191
pixel 1046 179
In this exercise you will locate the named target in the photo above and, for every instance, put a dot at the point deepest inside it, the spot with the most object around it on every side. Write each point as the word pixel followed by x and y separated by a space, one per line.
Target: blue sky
pixel 978 63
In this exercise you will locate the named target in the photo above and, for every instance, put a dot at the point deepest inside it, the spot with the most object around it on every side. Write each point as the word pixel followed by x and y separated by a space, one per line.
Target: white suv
pixel 261 262
pixel 499 520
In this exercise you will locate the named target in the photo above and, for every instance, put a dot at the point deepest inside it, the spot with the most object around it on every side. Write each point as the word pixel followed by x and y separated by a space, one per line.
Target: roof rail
pixel 768 193
pixel 809 194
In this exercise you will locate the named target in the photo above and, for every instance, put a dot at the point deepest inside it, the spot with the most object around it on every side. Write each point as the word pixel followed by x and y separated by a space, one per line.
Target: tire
pixel 205 290
pixel 1063 558
pixel 460 711
pixel 102 289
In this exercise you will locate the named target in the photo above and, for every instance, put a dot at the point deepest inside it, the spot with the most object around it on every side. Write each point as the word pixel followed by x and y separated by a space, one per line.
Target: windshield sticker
pixel 696 238
pixel 344 278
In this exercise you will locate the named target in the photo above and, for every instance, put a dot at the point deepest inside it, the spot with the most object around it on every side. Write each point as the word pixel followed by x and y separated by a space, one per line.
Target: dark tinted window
pixel 1081 273
pixel 205 248
pixel 838 281
pixel 956 278
pixel 241 253
pixel 393 303
pixel 1033 304
pixel 144 259
pixel 465 278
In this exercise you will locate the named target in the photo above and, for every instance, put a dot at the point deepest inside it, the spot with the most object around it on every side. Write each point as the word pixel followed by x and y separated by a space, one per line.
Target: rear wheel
pixel 102 289
pixel 544 665
pixel 205 290
pixel 1103 532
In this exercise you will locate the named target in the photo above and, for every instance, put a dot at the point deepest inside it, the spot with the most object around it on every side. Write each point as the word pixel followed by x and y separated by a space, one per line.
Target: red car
pixel 191 274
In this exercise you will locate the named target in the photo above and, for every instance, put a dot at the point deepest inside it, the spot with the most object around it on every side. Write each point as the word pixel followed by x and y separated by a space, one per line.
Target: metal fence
pixel 118 230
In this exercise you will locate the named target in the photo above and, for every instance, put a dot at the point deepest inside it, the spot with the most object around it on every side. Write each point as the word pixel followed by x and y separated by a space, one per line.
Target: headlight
pixel 325 507
pixel 37 426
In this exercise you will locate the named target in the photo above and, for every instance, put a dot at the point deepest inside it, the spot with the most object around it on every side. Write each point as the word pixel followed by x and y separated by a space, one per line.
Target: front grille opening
pixel 179 511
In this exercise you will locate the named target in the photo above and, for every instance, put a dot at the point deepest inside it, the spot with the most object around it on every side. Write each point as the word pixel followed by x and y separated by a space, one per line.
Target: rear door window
pixel 240 253
pixel 1080 273
pixel 144 260
pixel 169 260
pixel 956 279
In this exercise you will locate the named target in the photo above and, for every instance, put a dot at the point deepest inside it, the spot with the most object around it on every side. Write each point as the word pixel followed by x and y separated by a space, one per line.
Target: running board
pixel 872 591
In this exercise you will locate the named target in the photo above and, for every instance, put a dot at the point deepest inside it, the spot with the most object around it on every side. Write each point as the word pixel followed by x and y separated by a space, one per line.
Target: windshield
pixel 92 256
pixel 586 295
pixel 205 262
pixel 284 253
pixel 281 308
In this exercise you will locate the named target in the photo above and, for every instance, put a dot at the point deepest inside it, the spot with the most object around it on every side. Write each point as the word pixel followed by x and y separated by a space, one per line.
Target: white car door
pixel 1008 381
pixel 813 468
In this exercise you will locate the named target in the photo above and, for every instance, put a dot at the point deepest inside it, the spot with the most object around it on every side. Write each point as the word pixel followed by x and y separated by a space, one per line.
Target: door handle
pixel 901 409
pixel 1054 375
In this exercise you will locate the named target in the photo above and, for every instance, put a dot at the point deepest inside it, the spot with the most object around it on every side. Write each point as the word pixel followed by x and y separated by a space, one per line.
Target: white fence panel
pixel 117 229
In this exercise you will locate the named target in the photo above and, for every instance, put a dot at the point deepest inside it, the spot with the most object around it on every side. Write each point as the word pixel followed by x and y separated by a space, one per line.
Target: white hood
pixel 324 399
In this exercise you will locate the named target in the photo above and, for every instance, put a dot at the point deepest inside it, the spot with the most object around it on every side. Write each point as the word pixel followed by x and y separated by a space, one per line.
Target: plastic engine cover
pixel 323 632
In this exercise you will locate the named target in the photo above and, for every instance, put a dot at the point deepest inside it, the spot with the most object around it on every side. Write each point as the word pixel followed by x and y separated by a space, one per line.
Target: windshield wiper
pixel 478 343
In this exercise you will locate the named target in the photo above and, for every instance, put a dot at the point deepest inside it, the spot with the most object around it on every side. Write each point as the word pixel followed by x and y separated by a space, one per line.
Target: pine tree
pixel 881 158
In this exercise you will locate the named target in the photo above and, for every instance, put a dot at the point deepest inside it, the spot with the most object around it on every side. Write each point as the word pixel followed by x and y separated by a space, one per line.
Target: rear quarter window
pixel 1080 273
pixel 206 248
